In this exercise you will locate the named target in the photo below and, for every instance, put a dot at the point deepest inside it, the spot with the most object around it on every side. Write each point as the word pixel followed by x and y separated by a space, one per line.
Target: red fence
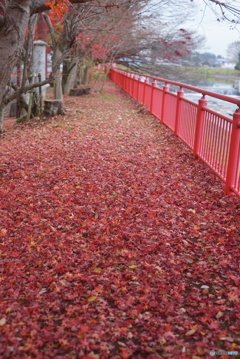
pixel 213 137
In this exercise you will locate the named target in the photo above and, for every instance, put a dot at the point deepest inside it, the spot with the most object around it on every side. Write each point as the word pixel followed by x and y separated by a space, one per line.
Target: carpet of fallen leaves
pixel 115 241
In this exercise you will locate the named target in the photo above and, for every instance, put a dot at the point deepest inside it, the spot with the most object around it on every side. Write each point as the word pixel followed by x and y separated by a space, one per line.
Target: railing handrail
pixel 185 86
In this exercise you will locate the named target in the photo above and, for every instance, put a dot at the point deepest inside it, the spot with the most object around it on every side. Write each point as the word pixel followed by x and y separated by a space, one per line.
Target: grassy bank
pixel 209 71
pixel 184 72
pixel 213 71
pixel 195 73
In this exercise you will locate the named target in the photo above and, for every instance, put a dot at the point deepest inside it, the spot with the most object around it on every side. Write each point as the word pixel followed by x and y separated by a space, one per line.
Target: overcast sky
pixel 218 34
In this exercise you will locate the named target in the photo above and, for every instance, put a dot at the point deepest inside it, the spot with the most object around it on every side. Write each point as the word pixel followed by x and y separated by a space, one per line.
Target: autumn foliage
pixel 58 7
pixel 115 242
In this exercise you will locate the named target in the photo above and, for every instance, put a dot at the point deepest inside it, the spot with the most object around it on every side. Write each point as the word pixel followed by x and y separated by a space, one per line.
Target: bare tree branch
pixel 25 89
pixel 50 27
pixel 226 10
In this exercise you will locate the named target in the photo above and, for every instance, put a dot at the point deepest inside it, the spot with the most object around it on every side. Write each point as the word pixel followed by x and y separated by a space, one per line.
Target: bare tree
pixel 233 52
pixel 101 33
pixel 225 10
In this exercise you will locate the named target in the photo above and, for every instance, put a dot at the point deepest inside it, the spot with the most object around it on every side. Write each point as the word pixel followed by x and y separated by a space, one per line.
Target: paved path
pixel 115 240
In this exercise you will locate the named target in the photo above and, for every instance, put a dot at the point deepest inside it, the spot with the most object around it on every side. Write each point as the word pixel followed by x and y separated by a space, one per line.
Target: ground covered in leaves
pixel 115 241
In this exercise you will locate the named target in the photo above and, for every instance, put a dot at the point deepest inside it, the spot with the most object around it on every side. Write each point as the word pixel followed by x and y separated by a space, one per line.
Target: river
pixel 220 106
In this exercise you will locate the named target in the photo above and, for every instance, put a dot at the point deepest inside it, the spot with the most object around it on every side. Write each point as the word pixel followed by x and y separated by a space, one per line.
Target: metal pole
pixel 165 91
pixel 18 107
pixel 146 83
pixel 202 104
pixel 180 96
pixel 154 85
pixel 233 169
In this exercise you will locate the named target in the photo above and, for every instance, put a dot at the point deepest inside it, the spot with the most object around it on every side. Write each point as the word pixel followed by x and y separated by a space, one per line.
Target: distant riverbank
pixel 194 74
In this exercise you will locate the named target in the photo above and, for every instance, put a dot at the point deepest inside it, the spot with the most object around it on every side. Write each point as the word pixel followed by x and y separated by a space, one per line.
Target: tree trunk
pixel 80 91
pixel 70 75
pixel 57 84
pixel 12 33
pixel 80 71
pixel 86 72
pixel 53 107
pixel 1 118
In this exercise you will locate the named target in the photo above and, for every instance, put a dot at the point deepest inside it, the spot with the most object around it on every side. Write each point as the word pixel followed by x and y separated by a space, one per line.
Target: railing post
pixel 202 103
pixel 128 82
pixel 137 82
pixel 131 85
pixel 146 82
pixel 165 91
pixel 119 79
pixel 233 168
pixel 180 96
pixel 111 74
pixel 141 81
pixel 154 85
pixel 123 80
pixel 134 85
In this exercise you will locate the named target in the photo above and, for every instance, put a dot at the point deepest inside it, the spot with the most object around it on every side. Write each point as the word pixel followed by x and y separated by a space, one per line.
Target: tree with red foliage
pixel 112 36
pixel 174 45
pixel 101 29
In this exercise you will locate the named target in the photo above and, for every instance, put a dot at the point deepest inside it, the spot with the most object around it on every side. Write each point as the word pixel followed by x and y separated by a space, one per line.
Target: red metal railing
pixel 213 137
